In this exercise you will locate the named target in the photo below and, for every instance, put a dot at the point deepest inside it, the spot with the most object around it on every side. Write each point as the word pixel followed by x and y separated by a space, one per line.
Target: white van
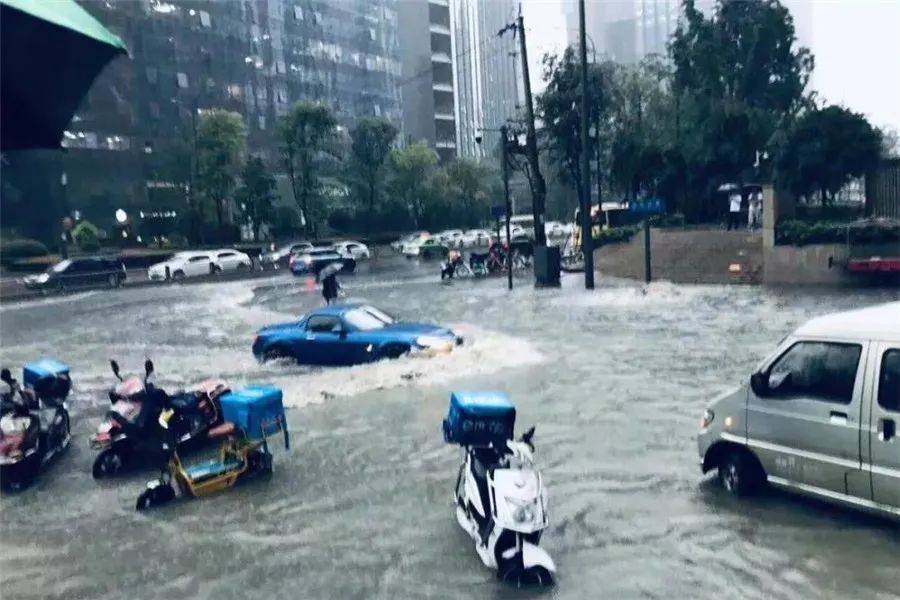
pixel 819 416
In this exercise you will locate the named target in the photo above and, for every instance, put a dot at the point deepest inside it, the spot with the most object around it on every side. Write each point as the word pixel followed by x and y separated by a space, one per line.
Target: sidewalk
pixel 12 289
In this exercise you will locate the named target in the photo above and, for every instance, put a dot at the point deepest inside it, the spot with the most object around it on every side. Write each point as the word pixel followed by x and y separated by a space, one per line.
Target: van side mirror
pixel 148 369
pixel 759 383
pixel 6 376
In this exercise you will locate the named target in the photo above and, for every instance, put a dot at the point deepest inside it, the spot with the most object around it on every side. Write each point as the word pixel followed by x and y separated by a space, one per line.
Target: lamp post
pixel 504 149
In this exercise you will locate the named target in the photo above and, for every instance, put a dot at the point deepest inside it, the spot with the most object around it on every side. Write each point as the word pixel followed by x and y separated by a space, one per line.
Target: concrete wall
pixel 813 264
pixel 687 256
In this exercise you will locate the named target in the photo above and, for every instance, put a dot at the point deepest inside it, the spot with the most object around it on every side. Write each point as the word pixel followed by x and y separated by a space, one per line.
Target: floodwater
pixel 615 381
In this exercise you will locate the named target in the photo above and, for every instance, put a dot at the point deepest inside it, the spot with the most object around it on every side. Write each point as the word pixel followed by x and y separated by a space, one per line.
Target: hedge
pixel 801 233
pixel 22 248
pixel 614 235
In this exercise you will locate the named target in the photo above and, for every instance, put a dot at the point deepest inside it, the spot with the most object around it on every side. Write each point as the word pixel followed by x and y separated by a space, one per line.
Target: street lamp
pixel 504 138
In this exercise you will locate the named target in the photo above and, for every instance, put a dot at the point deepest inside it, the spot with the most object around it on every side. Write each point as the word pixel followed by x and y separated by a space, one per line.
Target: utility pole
pixel 540 187
pixel 504 142
pixel 587 240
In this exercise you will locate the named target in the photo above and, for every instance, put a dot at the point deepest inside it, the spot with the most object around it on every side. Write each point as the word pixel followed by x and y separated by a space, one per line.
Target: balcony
pixel 439 28
pixel 440 57
pixel 446 144
pixel 444 116
pixel 442 87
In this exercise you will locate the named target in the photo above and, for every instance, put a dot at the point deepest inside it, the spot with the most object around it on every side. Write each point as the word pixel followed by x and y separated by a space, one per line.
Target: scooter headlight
pixel 523 512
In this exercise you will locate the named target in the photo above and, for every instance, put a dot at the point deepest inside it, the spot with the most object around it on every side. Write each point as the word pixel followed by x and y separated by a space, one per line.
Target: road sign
pixel 498 212
pixel 648 206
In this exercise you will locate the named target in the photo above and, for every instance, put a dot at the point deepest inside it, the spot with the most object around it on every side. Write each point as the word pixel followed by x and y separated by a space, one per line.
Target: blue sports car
pixel 349 334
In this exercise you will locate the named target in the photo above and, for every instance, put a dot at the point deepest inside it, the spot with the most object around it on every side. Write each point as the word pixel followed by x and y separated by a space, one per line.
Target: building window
pixel 317 18
pixel 182 80
pixel 151 75
pixel 204 19
pixel 154 110
pixel 234 90
pixel 298 13
pixel 372 33
pixel 262 121
pixel 280 67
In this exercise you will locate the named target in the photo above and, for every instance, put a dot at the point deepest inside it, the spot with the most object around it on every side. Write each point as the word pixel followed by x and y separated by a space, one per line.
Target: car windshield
pixel 60 266
pixel 367 318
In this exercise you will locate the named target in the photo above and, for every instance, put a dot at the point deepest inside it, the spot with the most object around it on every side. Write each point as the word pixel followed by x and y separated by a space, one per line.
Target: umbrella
pixel 330 269
pixel 50 53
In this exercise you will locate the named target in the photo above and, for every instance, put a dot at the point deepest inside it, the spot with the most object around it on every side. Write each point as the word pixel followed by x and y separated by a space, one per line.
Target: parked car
pixel 310 263
pixel 349 334
pixel 818 416
pixel 555 229
pixel 355 250
pixel 231 260
pixel 280 256
pixel 411 248
pixel 79 272
pixel 399 244
pixel 431 249
pixel 452 238
pixel 183 264
pixel 476 238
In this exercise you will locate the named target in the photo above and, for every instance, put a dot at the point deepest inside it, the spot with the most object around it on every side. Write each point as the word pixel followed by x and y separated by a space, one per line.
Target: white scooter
pixel 502 504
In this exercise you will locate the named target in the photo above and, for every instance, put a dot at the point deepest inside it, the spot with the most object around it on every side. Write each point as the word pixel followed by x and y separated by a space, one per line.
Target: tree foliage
pixel 370 147
pixel 221 145
pixel 256 193
pixel 411 170
pixel 308 132
pixel 825 149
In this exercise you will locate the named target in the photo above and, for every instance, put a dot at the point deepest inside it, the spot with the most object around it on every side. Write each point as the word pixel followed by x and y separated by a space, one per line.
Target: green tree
pixel 221 144
pixel 256 193
pixel 469 186
pixel 370 146
pixel 308 133
pixel 411 170
pixel 739 77
pixel 560 108
pixel 825 149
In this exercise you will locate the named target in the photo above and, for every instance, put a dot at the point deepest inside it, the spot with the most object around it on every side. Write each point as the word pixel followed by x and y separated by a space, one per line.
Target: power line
pixel 459 55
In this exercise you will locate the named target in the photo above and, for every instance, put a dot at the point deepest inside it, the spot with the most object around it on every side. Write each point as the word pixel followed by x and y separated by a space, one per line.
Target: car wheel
pixel 214 269
pixel 112 281
pixel 242 267
pixel 178 276
pixel 394 351
pixel 276 353
pixel 739 473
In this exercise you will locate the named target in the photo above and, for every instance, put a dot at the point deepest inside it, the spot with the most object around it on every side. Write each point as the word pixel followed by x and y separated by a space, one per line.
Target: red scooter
pixel 128 435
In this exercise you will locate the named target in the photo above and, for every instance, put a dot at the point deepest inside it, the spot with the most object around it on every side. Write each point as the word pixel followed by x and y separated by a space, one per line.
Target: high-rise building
pixel 254 57
pixel 626 31
pixel 459 77
pixel 427 85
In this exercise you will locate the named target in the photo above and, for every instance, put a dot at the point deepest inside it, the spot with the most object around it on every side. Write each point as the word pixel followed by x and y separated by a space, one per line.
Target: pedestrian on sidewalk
pixel 754 211
pixel 734 210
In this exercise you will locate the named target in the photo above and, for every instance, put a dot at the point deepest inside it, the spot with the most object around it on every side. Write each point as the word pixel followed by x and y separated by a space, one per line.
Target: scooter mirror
pixel 6 376
pixel 148 368
pixel 115 369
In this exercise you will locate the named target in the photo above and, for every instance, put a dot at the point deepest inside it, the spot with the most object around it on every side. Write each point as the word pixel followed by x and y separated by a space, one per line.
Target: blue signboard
pixel 648 206
pixel 498 212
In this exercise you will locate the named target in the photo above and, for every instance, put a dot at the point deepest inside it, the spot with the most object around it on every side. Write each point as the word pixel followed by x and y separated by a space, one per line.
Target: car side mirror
pixel 115 369
pixel 6 376
pixel 759 383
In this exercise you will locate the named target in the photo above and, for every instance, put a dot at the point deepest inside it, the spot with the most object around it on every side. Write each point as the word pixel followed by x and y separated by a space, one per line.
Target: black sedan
pixel 79 272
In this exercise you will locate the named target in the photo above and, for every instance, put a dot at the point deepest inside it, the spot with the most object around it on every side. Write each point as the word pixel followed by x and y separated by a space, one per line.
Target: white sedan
pixel 476 238
pixel 181 265
pixel 226 260
pixel 355 250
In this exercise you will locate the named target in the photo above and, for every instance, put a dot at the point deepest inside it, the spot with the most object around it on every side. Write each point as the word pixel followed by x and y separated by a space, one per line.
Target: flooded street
pixel 615 381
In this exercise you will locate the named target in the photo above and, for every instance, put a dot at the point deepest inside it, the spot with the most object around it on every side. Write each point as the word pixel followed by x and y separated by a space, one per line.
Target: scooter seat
pixel 223 430
pixel 183 402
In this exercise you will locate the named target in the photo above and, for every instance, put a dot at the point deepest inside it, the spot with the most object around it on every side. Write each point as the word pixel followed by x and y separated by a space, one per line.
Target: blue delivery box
pixel 257 409
pixel 48 378
pixel 479 419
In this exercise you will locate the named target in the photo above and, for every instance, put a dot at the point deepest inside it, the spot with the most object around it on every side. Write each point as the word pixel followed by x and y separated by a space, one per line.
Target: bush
pixel 614 235
pixel 801 233
pixel 87 236
pixel 23 248
pixel 673 220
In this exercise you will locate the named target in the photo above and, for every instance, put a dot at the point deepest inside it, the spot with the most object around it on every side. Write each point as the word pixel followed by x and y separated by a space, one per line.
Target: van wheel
pixel 739 473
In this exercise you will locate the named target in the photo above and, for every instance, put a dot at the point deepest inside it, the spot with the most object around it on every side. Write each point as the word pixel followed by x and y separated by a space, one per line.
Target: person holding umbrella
pixel 330 285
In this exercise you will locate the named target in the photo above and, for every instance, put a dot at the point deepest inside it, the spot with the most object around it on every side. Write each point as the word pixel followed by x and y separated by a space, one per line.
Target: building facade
pixel 254 57
pixel 459 77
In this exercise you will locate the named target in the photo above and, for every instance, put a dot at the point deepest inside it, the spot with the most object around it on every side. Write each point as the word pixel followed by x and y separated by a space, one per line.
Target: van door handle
pixel 887 429
pixel 838 417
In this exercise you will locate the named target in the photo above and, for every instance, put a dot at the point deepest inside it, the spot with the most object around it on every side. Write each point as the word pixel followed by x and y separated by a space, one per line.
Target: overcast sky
pixel 856 44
